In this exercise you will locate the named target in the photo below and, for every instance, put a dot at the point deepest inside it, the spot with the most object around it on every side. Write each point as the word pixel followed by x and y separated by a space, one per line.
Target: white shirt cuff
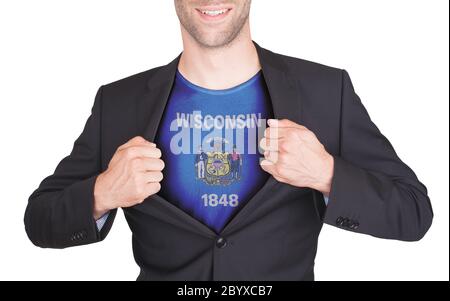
pixel 101 221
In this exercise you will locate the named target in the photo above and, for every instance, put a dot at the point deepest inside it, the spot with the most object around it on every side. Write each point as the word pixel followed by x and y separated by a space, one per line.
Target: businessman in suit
pixel 320 160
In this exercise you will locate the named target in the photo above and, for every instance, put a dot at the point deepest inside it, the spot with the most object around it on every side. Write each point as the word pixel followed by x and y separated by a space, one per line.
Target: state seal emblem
pixel 218 167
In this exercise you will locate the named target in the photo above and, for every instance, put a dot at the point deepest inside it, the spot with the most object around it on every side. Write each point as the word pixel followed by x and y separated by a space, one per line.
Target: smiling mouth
pixel 213 13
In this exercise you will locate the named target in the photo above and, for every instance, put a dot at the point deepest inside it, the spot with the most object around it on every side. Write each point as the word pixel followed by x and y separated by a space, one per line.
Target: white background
pixel 55 54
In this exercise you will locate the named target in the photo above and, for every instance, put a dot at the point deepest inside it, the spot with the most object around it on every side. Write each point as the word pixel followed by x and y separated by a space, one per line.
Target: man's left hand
pixel 293 155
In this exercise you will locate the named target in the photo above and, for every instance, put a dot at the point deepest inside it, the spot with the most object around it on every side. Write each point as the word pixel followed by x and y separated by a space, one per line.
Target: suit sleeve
pixel 373 191
pixel 59 213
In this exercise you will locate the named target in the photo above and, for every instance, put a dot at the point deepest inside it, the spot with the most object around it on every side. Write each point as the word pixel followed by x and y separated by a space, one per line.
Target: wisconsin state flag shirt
pixel 209 142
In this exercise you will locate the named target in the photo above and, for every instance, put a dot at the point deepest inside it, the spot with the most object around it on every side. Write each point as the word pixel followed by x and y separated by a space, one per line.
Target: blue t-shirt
pixel 209 140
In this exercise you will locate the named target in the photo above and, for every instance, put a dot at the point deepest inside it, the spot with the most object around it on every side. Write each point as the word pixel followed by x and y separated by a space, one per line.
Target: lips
pixel 213 13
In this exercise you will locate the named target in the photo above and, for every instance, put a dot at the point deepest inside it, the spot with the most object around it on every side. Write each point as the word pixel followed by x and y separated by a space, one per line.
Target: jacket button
pixel 221 243
pixel 355 225
pixel 340 221
pixel 346 222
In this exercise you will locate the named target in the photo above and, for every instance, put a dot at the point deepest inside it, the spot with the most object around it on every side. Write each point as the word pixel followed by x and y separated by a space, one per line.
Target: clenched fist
pixel 293 155
pixel 133 174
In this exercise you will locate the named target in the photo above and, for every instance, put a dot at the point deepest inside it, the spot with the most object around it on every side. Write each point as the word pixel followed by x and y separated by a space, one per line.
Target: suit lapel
pixel 284 95
pixel 150 107
pixel 282 85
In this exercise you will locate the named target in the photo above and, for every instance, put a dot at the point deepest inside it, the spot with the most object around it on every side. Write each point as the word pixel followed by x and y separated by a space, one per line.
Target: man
pixel 324 161
pixel 236 163
pixel 200 163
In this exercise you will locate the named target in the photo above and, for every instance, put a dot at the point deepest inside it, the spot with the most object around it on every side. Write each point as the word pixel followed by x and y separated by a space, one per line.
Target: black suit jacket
pixel 274 236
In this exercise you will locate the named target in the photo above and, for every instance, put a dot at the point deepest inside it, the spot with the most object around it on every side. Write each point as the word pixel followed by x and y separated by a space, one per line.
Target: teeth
pixel 214 12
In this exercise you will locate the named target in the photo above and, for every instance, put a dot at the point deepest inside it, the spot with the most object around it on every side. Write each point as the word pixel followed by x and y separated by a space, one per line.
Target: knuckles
pixel 139 139
pixel 306 134
pixel 283 146
pixel 129 153
pixel 135 163
pixel 292 134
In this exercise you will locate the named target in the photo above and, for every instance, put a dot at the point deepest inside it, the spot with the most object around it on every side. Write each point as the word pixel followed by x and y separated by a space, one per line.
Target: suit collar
pixel 282 86
pixel 284 95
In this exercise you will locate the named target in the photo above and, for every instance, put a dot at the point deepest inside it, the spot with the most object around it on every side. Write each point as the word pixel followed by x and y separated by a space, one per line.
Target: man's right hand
pixel 133 174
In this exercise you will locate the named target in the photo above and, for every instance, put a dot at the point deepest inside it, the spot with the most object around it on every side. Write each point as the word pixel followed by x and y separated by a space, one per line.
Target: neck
pixel 219 68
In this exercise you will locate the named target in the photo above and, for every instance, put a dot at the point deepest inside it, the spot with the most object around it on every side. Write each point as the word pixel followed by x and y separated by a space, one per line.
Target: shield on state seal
pixel 217 168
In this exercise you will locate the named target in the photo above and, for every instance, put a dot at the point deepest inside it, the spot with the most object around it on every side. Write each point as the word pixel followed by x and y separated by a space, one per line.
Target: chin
pixel 214 39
